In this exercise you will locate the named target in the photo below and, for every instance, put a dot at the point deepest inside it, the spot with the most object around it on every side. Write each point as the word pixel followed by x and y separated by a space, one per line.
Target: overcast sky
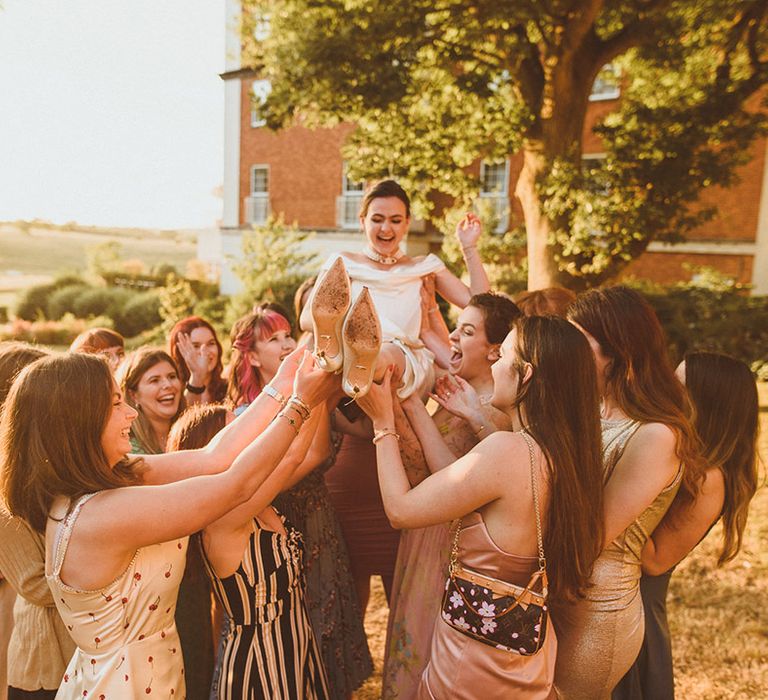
pixel 111 112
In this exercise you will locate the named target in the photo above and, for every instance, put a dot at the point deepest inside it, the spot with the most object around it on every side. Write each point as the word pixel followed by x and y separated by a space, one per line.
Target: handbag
pixel 501 614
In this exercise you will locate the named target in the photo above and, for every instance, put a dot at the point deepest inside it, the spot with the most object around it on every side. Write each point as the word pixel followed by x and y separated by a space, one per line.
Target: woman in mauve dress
pixel 555 443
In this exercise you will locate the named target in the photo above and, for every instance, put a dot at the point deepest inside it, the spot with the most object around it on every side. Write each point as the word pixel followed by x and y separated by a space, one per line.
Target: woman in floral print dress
pixel 115 551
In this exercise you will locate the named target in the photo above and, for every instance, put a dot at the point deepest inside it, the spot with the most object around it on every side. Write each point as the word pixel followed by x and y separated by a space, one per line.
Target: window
pixel 257 205
pixel 348 204
pixel 260 90
pixel 607 85
pixel 494 188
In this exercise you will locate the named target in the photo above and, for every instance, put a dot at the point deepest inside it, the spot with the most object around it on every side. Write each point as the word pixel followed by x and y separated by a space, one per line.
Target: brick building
pixel 300 174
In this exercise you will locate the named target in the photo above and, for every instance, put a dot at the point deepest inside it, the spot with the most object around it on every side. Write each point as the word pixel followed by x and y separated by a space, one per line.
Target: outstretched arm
pixel 229 442
pixel 465 485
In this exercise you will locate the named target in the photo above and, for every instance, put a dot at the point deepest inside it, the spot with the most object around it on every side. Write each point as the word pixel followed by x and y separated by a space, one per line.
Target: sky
pixel 111 112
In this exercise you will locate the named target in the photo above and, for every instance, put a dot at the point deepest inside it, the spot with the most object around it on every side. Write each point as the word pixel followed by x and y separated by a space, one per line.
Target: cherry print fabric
pixel 127 643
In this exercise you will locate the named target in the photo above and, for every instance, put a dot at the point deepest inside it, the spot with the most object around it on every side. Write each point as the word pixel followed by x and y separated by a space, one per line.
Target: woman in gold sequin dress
pixel 650 453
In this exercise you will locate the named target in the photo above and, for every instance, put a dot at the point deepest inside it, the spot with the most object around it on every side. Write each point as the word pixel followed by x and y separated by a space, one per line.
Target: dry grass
pixel 718 617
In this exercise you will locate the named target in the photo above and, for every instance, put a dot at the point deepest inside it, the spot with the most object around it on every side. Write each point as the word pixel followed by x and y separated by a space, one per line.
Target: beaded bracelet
pixel 380 434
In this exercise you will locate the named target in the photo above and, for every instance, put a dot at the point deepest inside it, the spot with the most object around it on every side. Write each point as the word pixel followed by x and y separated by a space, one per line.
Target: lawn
pixel 35 257
pixel 718 617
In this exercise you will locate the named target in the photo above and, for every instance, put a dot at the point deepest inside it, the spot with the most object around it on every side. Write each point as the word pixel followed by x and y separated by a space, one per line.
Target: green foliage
pixel 100 301
pixel 177 301
pixel 103 257
pixel 139 314
pixel 62 301
pixel 712 313
pixel 503 254
pixel 432 87
pixel 272 265
pixel 32 303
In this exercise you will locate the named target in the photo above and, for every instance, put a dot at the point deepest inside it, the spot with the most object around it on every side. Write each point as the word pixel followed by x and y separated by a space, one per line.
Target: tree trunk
pixel 542 269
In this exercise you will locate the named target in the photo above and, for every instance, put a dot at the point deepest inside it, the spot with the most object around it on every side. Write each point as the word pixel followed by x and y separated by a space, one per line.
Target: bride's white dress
pixel 396 293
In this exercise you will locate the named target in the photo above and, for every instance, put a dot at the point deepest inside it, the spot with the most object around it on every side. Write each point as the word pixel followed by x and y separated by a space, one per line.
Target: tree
pixel 272 265
pixel 433 85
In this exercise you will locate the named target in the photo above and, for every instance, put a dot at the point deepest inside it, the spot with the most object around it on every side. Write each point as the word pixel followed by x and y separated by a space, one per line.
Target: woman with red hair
pixel 197 352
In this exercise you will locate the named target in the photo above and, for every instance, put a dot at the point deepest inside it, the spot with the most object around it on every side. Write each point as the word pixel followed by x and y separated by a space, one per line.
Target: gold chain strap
pixel 454 559
pixel 535 487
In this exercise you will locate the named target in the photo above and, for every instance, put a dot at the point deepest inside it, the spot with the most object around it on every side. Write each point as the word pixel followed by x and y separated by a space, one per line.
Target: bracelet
pixel 469 247
pixel 195 389
pixel 434 309
pixel 292 421
pixel 269 390
pixel 380 434
pixel 299 406
pixel 479 430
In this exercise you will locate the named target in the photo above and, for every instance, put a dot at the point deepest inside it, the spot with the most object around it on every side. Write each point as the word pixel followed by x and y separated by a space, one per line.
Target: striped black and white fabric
pixel 270 651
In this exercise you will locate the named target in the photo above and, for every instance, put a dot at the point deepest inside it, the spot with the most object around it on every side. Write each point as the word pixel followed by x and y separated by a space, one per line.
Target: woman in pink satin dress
pixel 555 441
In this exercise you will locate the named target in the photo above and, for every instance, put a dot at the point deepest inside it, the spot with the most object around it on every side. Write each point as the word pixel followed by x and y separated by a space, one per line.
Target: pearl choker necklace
pixel 371 254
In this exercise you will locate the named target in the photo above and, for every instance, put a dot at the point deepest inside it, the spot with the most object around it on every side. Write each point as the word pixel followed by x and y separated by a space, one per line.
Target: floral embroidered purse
pixel 503 615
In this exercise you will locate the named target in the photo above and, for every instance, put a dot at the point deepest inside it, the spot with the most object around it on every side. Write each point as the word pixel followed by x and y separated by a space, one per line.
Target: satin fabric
pixel 462 668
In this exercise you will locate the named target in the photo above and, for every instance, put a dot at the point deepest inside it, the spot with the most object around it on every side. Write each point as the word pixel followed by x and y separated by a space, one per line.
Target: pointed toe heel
pixel 361 342
pixel 330 304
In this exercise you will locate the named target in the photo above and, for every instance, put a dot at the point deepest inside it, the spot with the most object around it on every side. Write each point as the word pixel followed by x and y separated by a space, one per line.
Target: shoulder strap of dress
pixel 64 532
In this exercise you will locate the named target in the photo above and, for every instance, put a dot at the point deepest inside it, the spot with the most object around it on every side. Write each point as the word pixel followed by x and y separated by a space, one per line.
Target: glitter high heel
pixel 330 304
pixel 361 342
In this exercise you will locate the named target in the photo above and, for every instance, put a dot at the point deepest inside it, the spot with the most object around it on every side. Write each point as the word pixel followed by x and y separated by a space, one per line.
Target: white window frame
pixel 500 197
pixel 606 89
pixel 258 202
pixel 260 90
pixel 349 201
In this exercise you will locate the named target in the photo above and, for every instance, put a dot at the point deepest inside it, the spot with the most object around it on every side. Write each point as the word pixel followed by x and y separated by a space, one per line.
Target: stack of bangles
pixel 300 408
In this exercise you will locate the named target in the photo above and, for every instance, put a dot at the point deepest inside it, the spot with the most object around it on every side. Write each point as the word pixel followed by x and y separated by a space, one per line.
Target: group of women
pixel 543 504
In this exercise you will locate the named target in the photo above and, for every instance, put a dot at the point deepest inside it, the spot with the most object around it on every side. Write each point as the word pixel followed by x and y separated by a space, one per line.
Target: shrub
pixel 32 303
pixel 56 333
pixel 718 320
pixel 98 301
pixel 62 301
pixel 139 314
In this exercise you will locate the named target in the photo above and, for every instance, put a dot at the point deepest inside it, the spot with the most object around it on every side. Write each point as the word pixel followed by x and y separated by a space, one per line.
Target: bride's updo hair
pixel 384 188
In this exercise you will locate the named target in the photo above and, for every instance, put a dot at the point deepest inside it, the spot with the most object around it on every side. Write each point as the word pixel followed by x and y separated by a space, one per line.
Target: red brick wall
pixel 305 168
pixel 673 267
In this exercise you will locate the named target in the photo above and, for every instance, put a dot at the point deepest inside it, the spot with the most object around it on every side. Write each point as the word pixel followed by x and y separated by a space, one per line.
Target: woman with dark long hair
pixel 115 552
pixel 724 396
pixel 197 352
pixel 527 498
pixel 651 455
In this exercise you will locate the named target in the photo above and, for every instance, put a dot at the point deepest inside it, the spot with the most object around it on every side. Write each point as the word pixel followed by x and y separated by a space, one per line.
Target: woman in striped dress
pixel 254 559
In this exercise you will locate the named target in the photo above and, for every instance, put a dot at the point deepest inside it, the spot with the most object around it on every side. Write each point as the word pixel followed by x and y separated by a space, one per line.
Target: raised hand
pixel 459 397
pixel 378 402
pixel 468 230
pixel 196 360
pixel 312 384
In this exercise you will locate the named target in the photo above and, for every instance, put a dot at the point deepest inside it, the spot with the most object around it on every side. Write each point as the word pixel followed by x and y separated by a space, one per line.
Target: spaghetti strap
pixel 64 532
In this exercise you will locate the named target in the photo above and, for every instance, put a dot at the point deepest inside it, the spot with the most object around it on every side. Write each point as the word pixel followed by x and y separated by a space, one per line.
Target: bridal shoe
pixel 361 342
pixel 330 304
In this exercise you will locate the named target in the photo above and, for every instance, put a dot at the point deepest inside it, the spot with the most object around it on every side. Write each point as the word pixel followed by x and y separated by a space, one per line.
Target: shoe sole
pixel 330 304
pixel 361 341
